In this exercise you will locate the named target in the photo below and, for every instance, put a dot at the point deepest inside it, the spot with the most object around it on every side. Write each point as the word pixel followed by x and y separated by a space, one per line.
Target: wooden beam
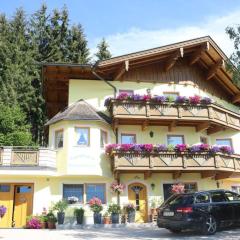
pixel 173 59
pixel 176 174
pixel 172 126
pixel 147 174
pixel 214 129
pixel 202 126
pixel 214 68
pixel 223 175
pixel 236 98
pixel 208 174
pixel 115 124
pixel 124 68
pixel 145 125
pixel 116 175
pixel 198 53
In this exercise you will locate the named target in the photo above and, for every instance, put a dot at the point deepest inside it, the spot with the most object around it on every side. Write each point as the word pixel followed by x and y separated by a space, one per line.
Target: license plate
pixel 168 214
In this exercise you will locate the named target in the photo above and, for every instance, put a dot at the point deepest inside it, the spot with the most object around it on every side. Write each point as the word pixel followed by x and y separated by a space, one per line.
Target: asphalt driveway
pixel 130 233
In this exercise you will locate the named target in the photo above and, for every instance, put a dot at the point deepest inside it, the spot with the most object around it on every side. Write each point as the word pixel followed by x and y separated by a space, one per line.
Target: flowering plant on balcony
pixel 160 148
pixel 195 100
pixel 117 187
pixel 181 147
pixel 96 205
pixel 226 149
pixel 3 211
pixel 180 99
pixel 160 99
pixel 199 148
pixel 178 188
pixel 206 100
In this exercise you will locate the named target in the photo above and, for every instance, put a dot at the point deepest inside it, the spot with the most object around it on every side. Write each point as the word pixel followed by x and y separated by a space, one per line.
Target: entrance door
pixel 23 203
pixel 137 194
pixel 6 199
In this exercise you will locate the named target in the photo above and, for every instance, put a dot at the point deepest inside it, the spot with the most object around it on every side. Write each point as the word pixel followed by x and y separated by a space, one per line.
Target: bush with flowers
pixel 177 188
pixel 96 205
pixel 117 187
pixel 160 99
pixel 130 207
pixel 34 222
pixel 145 149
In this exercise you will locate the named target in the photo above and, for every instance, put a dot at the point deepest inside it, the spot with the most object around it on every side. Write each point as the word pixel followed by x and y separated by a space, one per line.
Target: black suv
pixel 205 211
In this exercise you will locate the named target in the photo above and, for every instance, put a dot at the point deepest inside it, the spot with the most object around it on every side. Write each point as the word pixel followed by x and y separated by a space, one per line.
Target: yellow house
pixel 147 97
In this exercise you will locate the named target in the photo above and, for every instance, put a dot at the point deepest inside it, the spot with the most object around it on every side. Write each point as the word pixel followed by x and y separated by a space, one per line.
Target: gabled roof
pixel 80 110
pixel 203 52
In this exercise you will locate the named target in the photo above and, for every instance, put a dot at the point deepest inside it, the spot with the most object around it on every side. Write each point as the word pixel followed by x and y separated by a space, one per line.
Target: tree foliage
pixel 24 43
pixel 103 52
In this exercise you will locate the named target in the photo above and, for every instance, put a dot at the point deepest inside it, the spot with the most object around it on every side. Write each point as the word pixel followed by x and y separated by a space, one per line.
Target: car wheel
pixel 175 230
pixel 209 225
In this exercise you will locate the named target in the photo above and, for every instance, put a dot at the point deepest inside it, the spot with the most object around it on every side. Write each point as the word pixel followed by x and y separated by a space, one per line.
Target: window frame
pixel 105 191
pixel 55 138
pixel 81 145
pixel 79 184
pixel 129 134
pixel 173 135
pixel 220 192
pixel 228 139
pixel 105 132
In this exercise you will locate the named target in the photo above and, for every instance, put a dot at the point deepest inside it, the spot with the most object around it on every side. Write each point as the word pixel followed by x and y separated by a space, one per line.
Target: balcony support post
pixel 223 175
pixel 176 174
pixel 202 127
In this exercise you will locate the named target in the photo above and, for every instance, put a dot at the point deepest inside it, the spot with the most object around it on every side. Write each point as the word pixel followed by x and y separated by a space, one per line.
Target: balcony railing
pixel 183 114
pixel 38 158
pixel 174 161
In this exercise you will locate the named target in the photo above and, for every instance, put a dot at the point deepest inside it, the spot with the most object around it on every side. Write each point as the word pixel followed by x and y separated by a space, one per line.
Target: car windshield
pixel 184 199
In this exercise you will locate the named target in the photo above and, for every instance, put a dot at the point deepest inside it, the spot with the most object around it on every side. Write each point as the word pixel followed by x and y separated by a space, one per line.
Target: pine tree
pixel 103 52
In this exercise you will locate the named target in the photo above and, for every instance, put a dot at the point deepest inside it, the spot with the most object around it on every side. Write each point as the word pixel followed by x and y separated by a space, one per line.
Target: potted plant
pixel 60 207
pixel 106 218
pixel 96 206
pixel 114 210
pixel 3 211
pixel 43 219
pixel 79 213
pixel 130 210
pixel 178 188
pixel 33 223
pixel 117 187
pixel 72 200
pixel 51 220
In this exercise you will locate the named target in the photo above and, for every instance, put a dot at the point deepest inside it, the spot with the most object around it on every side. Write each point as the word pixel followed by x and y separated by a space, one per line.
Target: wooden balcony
pixel 212 117
pixel 27 159
pixel 218 165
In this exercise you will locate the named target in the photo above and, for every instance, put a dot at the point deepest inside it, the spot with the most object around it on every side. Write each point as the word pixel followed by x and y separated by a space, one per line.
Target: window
pixel 103 138
pixel 4 188
pixel 175 139
pixel 24 189
pixel 202 198
pixel 232 196
pixel 73 190
pixel 129 92
pixel 236 189
pixel 171 94
pixel 82 136
pixel 218 197
pixel 190 187
pixel 180 200
pixel 96 190
pixel 203 140
pixel 128 138
pixel 225 142
pixel 59 139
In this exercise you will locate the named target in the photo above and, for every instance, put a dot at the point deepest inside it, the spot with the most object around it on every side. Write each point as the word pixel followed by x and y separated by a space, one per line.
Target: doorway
pixel 137 194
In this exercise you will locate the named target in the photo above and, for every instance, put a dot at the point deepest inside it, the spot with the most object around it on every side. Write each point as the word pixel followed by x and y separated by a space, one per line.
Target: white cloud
pixel 139 39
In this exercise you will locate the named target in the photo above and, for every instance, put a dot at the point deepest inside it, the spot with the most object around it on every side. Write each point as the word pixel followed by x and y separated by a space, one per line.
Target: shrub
pixel 60 206
pixel 130 207
pixel 78 212
pixel 33 223
pixel 114 209
pixel 96 205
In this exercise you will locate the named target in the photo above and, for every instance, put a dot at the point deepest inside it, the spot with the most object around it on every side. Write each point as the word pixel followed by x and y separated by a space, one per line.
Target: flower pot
pixel 106 220
pixel 44 225
pixel 60 217
pixel 131 217
pixel 115 218
pixel 79 219
pixel 97 217
pixel 51 225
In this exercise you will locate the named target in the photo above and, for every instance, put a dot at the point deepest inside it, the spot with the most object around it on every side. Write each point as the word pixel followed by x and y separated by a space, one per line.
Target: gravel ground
pixel 130 233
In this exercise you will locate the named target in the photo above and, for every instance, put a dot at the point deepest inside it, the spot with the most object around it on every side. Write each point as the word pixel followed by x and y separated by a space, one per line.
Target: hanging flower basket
pixel 178 188
pixel 117 188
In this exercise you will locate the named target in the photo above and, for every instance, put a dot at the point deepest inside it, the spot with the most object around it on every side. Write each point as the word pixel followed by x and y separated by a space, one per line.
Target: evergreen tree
pixel 103 52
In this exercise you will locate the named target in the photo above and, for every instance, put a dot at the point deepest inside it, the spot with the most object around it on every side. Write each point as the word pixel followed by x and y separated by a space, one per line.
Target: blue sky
pixel 131 25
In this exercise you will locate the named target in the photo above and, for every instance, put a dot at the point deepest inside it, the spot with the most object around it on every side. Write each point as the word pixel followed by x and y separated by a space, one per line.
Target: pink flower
pixel 146 97
pixel 95 201
pixel 178 188
pixel 110 147
pixel 195 100
pixel 34 223
pixel 148 147
pixel 181 147
pixel 117 188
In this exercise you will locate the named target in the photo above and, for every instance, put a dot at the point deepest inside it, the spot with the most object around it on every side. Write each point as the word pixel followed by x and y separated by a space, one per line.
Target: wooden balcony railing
pixel 181 114
pixel 172 162
pixel 24 158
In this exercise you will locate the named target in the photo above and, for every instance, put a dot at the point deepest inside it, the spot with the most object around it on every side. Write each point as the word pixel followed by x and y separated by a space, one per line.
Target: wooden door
pixel 6 199
pixel 23 204
pixel 137 194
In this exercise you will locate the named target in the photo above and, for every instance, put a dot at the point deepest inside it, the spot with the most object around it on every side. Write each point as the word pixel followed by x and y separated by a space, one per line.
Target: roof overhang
pixel 203 51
